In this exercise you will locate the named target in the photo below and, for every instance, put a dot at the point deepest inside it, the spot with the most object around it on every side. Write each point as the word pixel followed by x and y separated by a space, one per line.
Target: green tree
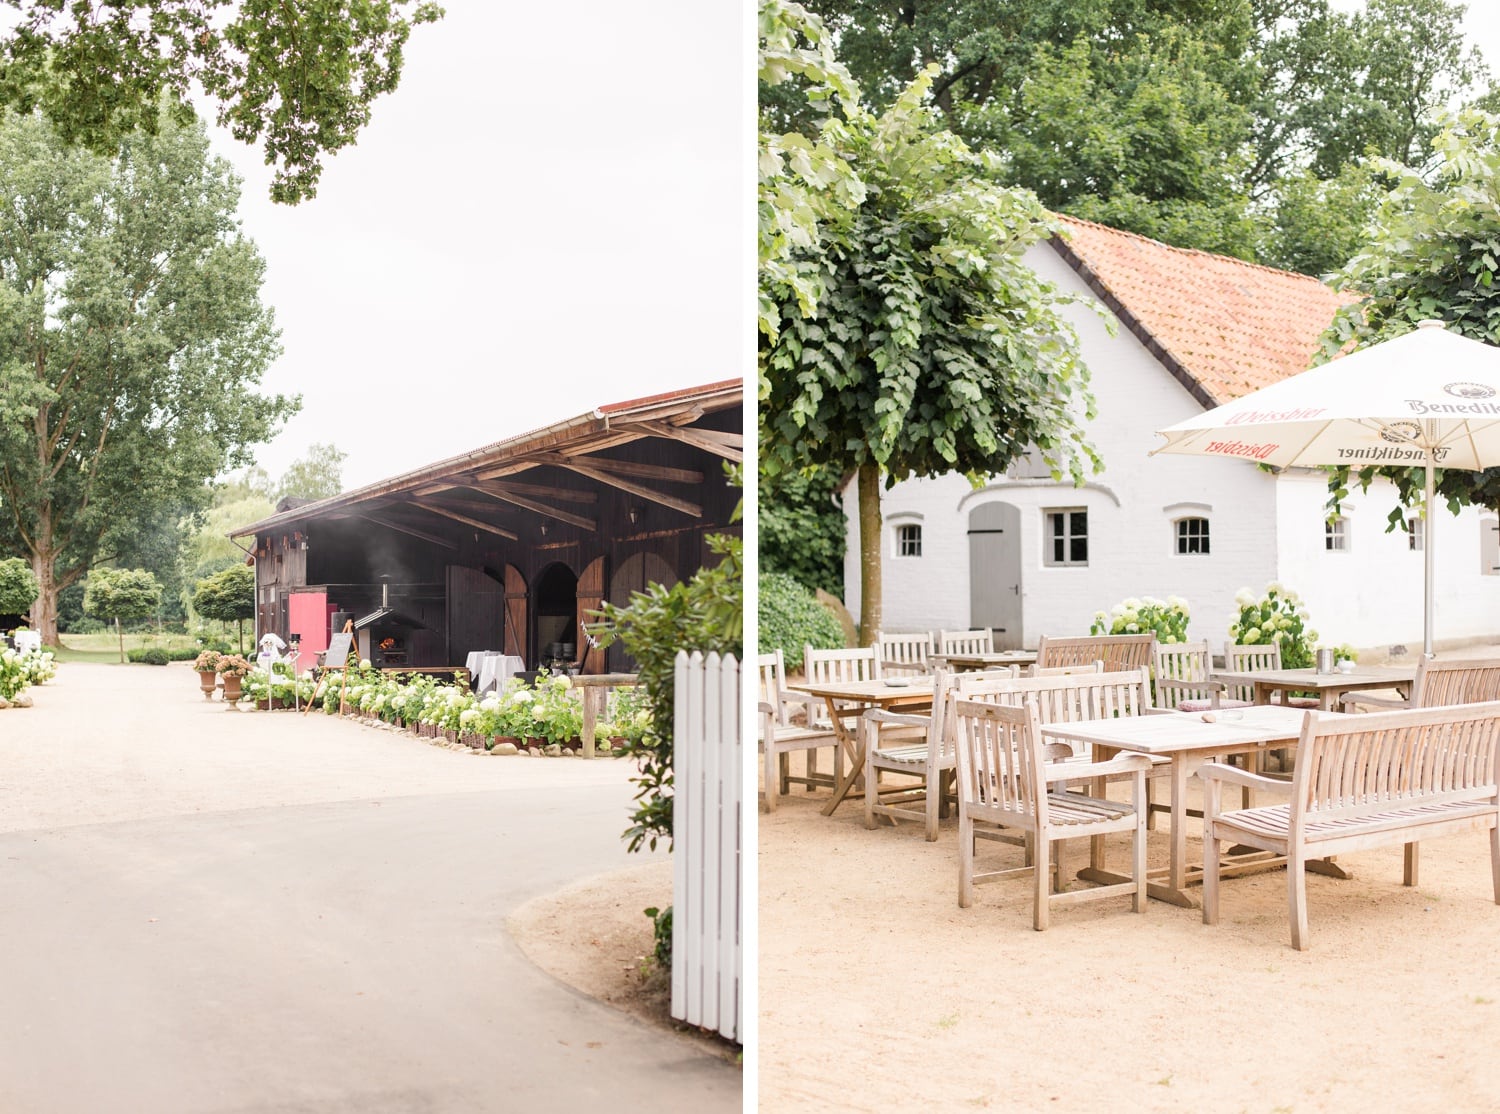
pixel 317 474
pixel 933 347
pixel 18 589
pixel 228 597
pixel 302 76
pixel 121 594
pixel 132 338
pixel 1434 254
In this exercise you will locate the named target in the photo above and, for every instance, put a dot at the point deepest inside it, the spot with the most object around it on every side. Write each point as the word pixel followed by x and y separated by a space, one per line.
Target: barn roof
pixel 583 446
pixel 1221 326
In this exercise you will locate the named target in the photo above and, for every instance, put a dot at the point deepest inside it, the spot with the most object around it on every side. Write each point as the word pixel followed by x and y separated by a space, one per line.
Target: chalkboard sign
pixel 337 655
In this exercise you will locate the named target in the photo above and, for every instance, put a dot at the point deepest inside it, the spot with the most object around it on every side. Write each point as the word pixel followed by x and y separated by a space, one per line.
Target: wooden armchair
pixel 1116 651
pixel 1183 683
pixel 966 642
pixel 905 653
pixel 928 757
pixel 780 734
pixel 1440 683
pixel 1005 785
pixel 1256 658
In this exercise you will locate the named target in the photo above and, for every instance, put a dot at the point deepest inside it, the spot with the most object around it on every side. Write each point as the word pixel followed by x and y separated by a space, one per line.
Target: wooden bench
pixel 1116 651
pixel 1361 782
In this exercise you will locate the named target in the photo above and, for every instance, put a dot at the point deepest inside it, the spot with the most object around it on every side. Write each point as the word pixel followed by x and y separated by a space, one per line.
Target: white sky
pixel 552 212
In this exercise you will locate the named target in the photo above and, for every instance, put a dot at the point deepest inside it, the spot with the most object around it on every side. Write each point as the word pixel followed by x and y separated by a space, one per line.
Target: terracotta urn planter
pixel 232 689
pixel 208 682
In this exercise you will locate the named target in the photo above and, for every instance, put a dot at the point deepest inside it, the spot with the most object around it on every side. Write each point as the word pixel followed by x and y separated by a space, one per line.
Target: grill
pixel 383 635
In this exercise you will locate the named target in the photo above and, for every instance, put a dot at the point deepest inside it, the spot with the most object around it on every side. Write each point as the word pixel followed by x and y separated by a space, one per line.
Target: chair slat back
pixel 1256 658
pixel 1470 681
pixel 999 763
pixel 1347 765
pixel 772 684
pixel 1186 663
pixel 908 653
pixel 966 642
pixel 1116 651
pixel 1065 670
pixel 826 667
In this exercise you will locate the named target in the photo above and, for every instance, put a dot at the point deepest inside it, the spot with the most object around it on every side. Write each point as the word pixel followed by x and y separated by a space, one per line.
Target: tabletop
pixel 869 692
pixel 1186 731
pixel 1311 680
pixel 998 657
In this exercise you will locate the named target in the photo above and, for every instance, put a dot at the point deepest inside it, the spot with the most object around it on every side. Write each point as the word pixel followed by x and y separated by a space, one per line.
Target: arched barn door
pixel 515 614
pixel 632 575
pixel 590 599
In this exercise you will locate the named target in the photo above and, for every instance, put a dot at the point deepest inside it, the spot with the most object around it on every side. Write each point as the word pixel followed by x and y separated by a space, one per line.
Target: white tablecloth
pixel 27 641
pixel 491 669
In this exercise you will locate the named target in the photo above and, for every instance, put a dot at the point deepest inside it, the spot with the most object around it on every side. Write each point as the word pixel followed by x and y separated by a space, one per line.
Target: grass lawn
pixel 105 646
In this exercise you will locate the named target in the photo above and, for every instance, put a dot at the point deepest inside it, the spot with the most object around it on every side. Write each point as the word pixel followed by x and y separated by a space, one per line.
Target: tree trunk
pixel 869 553
pixel 120 630
pixel 44 610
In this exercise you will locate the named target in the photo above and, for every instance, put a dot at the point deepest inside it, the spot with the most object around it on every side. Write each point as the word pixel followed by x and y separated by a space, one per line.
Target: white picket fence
pixel 707 961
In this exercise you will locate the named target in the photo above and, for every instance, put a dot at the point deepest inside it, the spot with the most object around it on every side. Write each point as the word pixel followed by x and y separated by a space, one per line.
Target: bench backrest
pixel 1349 766
pixel 1068 698
pixel 1455 682
pixel 907 652
pixel 1116 651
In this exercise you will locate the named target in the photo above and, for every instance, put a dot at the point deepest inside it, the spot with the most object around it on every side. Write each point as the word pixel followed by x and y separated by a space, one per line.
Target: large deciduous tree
pixel 316 474
pixel 1434 254
pixel 228 596
pixel 932 347
pixel 301 76
pixel 132 339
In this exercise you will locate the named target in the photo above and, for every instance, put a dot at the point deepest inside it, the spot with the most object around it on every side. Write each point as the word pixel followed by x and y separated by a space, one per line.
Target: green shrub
pixel 86 625
pixel 152 655
pixel 791 617
pixel 1277 616
pixel 1168 619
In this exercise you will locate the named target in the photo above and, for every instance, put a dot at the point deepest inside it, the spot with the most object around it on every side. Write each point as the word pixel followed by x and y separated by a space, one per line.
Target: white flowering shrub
pixel 1276 616
pixel 1167 619
pixel 15 674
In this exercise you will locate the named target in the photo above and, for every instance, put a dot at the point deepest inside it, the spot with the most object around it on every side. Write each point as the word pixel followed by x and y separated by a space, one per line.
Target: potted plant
pixel 207 666
pixel 233 668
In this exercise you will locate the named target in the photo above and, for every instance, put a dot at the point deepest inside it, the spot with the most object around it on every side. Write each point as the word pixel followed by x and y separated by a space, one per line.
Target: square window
pixel 1192 536
pixel 1336 535
pixel 1067 538
pixel 909 541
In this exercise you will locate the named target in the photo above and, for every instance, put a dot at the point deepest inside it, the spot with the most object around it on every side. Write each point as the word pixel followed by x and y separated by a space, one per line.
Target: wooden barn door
pixel 476 613
pixel 516 626
pixel 590 599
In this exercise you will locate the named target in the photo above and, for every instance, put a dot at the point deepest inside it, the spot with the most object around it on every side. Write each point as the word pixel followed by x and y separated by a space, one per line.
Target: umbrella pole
pixel 1427 556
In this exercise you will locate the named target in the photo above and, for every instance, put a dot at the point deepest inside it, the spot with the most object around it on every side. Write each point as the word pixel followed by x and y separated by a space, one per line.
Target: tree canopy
pixel 121 594
pixel 301 77
pixel 1205 123
pixel 18 588
pixel 931 347
pixel 1434 255
pixel 132 339
pixel 316 474
pixel 228 596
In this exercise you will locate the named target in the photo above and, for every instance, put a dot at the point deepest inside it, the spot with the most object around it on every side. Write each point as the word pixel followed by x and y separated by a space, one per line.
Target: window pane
pixel 1079 553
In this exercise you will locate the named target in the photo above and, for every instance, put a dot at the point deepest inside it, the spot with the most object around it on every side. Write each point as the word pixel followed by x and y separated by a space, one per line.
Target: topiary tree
pixel 229 597
pixel 18 587
pixel 791 618
pixel 121 594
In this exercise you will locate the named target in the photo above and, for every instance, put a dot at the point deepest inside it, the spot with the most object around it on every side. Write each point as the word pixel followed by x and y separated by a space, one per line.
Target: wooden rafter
pixel 545 491
pixel 619 467
pixel 634 488
pixel 730 446
pixel 381 520
pixel 465 519
pixel 504 495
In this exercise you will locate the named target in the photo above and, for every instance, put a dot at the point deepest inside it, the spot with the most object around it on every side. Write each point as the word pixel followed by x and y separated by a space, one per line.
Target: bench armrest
pixel 1373 701
pixel 1121 764
pixel 880 715
pixel 1233 775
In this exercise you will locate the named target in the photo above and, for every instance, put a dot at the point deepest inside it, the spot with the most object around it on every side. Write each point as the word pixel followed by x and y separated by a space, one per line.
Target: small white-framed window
pixel 1336 534
pixel 1067 537
pixel 1489 546
pixel 1416 534
pixel 1191 536
pixel 909 539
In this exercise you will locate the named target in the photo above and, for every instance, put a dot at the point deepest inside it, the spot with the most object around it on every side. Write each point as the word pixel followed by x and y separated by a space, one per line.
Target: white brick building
pixel 1028 556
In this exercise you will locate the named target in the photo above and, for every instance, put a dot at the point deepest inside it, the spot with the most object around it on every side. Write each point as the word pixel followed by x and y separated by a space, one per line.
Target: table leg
pixel 851 743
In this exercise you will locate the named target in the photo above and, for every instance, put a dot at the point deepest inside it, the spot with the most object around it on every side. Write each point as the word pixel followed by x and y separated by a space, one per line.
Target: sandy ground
pixel 877 992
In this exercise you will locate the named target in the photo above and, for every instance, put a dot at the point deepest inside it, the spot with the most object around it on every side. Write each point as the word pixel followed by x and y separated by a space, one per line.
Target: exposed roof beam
pixel 622 468
pixel 381 520
pixel 499 492
pixel 545 491
pixel 465 519
pixel 731 446
pixel 634 488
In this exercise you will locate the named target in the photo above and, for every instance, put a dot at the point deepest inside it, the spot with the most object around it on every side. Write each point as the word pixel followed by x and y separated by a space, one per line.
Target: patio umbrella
pixel 1428 398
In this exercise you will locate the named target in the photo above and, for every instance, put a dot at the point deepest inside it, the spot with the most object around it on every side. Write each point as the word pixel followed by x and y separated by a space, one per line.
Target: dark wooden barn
pixel 508 547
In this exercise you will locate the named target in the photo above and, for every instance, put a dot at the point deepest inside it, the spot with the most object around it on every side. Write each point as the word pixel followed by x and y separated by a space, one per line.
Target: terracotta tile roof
pixel 1221 326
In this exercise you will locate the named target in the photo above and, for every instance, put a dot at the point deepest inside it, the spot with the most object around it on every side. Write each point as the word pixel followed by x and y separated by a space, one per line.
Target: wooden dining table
pixel 1188 739
pixel 847 703
pixel 961 662
pixel 1329 687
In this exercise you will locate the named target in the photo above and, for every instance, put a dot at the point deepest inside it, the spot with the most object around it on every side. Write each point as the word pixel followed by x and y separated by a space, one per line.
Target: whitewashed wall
pixel 1131 506
pixel 1371 595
